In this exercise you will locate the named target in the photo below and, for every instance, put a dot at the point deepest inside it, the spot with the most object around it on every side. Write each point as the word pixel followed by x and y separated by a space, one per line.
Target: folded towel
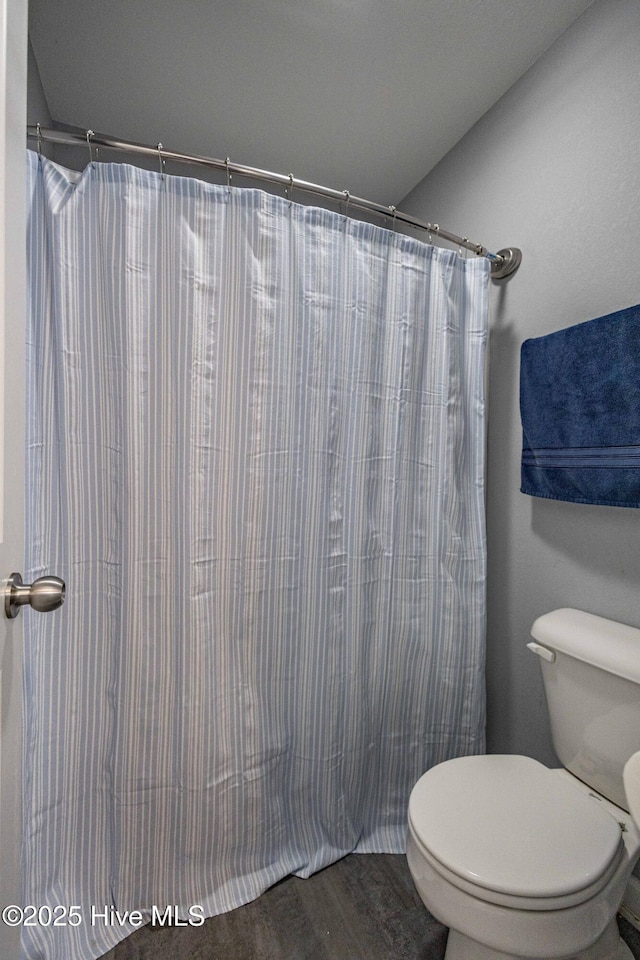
pixel 580 408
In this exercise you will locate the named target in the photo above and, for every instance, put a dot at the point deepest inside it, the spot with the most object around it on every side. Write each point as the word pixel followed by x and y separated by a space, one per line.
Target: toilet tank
pixel 591 674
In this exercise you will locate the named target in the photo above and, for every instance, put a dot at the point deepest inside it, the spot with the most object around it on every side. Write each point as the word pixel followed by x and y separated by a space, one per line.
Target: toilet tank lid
pixel 606 644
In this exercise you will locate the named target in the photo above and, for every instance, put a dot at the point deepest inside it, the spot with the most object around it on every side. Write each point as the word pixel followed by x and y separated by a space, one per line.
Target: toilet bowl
pixel 497 851
pixel 523 862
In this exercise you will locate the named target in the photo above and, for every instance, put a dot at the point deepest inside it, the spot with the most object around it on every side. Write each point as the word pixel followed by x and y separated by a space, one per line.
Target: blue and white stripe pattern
pixel 256 455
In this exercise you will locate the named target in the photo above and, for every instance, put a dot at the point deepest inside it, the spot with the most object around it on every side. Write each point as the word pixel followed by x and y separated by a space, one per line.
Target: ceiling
pixel 363 95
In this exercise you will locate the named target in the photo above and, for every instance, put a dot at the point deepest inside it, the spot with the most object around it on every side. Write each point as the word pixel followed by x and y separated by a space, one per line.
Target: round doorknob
pixel 43 595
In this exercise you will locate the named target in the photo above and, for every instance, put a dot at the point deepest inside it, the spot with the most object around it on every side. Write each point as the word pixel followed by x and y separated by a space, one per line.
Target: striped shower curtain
pixel 255 454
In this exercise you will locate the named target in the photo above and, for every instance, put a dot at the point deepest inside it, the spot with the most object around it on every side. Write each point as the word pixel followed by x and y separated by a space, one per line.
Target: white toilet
pixel 521 861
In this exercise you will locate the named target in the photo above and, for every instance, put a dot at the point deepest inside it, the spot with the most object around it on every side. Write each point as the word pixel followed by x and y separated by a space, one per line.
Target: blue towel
pixel 580 408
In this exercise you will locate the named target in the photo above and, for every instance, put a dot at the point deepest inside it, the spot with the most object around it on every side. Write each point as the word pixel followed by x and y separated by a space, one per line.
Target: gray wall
pixel 553 168
pixel 37 108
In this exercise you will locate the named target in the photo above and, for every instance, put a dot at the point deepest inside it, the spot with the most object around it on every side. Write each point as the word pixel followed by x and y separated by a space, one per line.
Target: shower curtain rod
pixel 503 263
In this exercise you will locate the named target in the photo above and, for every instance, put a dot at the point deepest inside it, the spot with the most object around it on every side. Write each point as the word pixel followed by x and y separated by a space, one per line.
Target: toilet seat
pixel 510 831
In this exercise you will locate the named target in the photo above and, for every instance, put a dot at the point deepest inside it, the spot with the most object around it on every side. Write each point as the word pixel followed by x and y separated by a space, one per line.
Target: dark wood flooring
pixel 364 907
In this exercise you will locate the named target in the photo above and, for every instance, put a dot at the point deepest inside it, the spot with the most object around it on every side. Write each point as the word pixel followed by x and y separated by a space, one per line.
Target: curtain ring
pixel 347 198
pixel 226 163
pixel 290 189
pixel 160 160
pixel 90 134
pixel 39 138
pixel 393 211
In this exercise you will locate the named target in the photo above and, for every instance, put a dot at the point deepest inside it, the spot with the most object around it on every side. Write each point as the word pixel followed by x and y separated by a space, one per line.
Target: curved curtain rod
pixel 503 263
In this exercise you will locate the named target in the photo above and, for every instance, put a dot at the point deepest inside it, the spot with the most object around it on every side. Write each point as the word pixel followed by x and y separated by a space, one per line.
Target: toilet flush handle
pixel 543 652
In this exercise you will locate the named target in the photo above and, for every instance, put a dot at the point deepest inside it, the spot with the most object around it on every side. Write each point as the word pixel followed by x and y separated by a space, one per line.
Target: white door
pixel 13 87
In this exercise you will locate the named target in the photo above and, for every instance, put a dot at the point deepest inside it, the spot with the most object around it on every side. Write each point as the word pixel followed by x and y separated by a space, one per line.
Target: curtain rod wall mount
pixel 511 260
pixel 504 263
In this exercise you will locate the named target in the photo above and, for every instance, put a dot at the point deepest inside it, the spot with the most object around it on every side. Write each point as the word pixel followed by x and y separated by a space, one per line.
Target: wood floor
pixel 364 907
